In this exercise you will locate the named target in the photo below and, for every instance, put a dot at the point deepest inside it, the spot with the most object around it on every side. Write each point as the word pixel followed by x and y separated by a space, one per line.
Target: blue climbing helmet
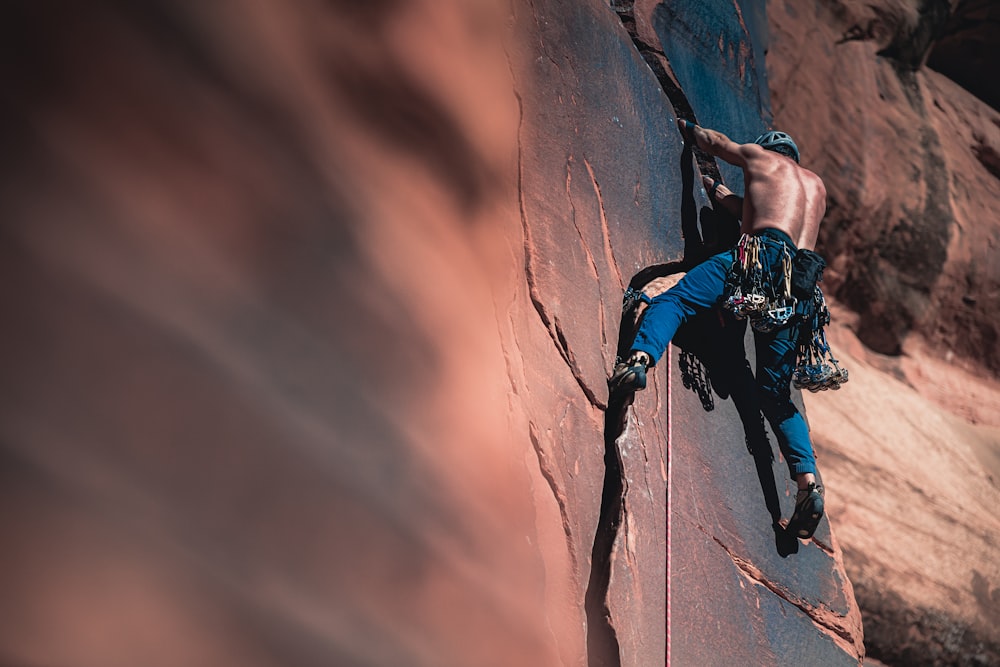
pixel 779 142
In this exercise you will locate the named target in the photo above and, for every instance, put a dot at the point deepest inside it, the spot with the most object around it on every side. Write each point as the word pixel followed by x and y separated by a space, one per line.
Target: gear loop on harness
pixel 766 296
pixel 750 290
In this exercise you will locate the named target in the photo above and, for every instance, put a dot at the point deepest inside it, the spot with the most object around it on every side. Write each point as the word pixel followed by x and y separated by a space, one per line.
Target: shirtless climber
pixel 781 213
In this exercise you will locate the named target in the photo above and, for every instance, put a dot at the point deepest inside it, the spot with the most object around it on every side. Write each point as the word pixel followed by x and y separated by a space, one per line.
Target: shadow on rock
pixel 713 358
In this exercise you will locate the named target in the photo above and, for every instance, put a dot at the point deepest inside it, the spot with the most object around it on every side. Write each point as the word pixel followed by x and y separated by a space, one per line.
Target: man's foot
pixel 808 511
pixel 630 375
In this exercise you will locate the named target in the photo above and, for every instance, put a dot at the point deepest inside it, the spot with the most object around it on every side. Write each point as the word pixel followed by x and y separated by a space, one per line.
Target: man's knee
pixel 663 297
pixel 776 404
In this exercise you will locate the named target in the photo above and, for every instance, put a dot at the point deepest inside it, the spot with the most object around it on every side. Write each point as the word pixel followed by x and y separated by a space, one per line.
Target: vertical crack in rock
pixel 828 622
pixel 609 252
pixel 657 61
pixel 550 321
pixel 546 468
pixel 603 649
pixel 602 640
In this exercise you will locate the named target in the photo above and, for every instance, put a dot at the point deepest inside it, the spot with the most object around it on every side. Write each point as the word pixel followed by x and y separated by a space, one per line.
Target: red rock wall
pixel 255 401
pixel 909 159
pixel 308 315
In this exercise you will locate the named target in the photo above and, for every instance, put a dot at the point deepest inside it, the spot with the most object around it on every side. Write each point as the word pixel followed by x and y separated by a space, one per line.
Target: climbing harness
pixel 816 368
pixel 770 297
pixel 769 305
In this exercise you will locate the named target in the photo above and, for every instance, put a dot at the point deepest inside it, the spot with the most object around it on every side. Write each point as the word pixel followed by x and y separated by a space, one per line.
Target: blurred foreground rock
pixel 308 315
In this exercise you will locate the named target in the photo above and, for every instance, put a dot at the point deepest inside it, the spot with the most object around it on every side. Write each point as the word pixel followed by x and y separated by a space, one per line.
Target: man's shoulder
pixel 814 178
pixel 763 160
pixel 752 150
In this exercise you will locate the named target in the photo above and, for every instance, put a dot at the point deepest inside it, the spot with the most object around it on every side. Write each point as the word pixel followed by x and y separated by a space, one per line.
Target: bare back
pixel 781 195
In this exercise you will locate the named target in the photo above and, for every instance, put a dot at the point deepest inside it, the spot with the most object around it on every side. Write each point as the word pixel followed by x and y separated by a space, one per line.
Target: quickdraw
pixel 631 299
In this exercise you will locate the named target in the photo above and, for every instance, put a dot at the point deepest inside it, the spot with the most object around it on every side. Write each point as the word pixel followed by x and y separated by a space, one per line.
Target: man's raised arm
pixel 712 142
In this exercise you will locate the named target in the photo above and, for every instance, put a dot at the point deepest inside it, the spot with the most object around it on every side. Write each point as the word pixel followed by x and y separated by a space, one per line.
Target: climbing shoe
pixel 629 375
pixel 808 511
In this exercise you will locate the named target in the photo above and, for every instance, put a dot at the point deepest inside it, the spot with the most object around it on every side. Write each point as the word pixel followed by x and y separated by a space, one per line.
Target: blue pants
pixel 702 289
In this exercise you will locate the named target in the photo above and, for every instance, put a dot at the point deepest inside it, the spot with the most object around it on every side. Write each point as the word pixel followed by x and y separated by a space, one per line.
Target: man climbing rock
pixel 780 216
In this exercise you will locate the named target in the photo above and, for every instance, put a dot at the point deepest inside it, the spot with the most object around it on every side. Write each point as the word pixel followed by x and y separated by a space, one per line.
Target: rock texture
pixel 254 401
pixel 308 319
pixel 910 162
pixel 968 49
pixel 607 192
pixel 911 460
pixel 910 447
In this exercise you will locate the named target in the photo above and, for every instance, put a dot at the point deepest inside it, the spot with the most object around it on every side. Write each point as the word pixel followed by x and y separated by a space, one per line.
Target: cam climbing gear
pixel 744 293
pixel 817 369
pixel 780 309
pixel 751 291
pixel 772 299
pixel 694 375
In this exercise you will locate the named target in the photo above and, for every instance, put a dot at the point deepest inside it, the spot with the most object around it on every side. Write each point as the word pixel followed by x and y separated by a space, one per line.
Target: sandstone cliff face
pixel 308 319
pixel 607 192
pixel 910 161
pixel 909 454
pixel 253 409
pixel 911 445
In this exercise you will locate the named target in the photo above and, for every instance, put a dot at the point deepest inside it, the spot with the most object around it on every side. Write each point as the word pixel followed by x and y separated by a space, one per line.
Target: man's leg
pixel 775 363
pixel 698 290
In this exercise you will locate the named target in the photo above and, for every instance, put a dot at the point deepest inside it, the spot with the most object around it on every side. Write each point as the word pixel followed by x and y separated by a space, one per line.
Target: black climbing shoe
pixel 808 511
pixel 629 375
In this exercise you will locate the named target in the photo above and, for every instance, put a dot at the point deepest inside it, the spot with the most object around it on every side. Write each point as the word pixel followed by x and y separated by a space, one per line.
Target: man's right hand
pixel 686 128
